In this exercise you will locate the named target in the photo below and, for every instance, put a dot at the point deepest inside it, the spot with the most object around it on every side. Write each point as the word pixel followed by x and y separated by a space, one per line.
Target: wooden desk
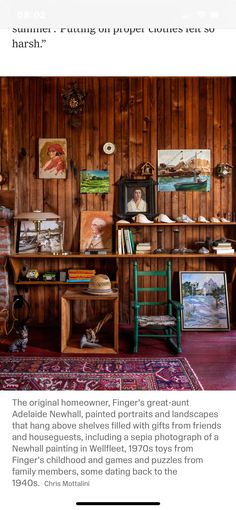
pixel 71 344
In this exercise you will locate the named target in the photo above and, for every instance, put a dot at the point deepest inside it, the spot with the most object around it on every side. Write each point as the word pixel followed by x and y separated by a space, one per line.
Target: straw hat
pixel 100 285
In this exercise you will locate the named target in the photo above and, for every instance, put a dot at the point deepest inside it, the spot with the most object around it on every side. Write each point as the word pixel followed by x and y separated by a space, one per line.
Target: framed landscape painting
pixel 94 181
pixel 205 300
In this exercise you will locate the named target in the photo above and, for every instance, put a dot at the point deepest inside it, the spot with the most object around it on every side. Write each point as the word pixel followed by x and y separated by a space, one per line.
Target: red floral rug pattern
pixel 89 374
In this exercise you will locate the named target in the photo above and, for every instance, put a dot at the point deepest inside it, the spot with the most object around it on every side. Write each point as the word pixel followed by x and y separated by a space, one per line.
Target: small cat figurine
pixel 19 345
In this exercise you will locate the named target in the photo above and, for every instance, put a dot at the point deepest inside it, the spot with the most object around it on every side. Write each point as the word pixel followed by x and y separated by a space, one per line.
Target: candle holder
pixel 159 248
pixel 176 248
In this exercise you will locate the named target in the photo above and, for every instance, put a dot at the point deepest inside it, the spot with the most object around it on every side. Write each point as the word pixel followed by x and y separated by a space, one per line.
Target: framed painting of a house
pixel 205 300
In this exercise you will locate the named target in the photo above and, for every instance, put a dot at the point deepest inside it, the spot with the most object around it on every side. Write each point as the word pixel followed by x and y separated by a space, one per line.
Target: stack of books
pixel 143 248
pixel 80 275
pixel 125 241
pixel 223 248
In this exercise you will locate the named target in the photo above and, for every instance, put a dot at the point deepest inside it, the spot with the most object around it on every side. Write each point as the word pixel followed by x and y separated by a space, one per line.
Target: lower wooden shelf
pixel 72 347
pixel 69 341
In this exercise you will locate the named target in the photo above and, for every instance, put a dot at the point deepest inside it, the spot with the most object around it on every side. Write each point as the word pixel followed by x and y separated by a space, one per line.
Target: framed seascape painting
pixel 94 181
pixel 52 158
pixel 136 196
pixel 96 232
pixel 184 170
pixel 204 297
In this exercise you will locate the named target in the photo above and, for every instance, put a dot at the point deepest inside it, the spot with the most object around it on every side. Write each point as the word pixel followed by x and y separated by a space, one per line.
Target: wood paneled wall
pixel 140 115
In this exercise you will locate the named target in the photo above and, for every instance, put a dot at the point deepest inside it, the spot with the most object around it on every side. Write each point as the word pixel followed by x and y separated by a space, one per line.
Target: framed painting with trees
pixel 204 297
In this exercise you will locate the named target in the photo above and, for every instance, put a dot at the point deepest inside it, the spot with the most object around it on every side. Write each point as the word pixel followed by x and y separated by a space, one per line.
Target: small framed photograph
pixel 52 158
pixel 136 196
pixel 96 232
pixel 44 236
pixel 205 300
pixel 94 181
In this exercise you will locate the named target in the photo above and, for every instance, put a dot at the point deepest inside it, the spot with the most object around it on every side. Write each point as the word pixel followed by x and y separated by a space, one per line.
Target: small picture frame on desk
pixel 136 196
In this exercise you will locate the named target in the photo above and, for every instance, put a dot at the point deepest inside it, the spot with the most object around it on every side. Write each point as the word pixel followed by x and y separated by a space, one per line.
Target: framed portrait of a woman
pixel 136 196
pixel 52 158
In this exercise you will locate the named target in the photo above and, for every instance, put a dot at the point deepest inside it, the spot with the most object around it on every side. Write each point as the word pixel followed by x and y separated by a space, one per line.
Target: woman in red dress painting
pixel 56 162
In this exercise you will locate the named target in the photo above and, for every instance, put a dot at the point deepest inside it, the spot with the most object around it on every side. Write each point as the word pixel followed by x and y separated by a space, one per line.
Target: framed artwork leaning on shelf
pixel 204 297
pixel 136 196
pixel 44 236
pixel 96 232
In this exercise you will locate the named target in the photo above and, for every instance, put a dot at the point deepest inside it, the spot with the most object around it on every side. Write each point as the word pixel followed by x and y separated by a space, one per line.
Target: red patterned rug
pixel 89 374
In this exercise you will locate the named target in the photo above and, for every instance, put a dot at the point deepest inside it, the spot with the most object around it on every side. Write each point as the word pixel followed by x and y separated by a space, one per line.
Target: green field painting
pixel 94 181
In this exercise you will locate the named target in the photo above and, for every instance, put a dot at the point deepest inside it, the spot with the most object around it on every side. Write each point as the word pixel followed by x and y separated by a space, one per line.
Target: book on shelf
pixel 78 280
pixel 119 242
pixel 143 247
pixel 81 269
pixel 132 241
pixel 122 241
pixel 222 251
pixel 96 252
pixel 127 240
pixel 143 252
pixel 223 245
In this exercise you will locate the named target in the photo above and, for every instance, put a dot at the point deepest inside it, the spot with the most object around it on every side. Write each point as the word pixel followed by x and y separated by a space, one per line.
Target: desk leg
pixel 116 324
pixel 66 319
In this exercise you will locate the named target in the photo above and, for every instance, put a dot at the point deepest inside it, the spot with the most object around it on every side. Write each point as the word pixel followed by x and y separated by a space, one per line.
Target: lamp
pixel 223 170
pixel 37 217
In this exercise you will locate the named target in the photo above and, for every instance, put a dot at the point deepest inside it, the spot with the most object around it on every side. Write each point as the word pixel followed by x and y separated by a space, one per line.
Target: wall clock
pixel 109 148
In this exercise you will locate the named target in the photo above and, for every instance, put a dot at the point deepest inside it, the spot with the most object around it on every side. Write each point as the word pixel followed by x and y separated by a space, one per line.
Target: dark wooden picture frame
pixel 136 196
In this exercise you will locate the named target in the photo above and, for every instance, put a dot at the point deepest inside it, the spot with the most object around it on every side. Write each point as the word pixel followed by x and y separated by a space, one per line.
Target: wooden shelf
pixel 57 263
pixel 16 265
pixel 174 256
pixel 178 224
pixel 144 226
pixel 40 282
pixel 56 257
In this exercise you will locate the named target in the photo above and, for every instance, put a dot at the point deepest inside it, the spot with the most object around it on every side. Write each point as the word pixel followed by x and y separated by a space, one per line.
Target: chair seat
pixel 156 320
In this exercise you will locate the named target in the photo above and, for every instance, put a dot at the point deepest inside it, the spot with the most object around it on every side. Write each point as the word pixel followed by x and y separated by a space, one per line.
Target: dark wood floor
pixel 211 355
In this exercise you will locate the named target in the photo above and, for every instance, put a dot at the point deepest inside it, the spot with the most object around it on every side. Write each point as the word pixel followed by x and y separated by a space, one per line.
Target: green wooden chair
pixel 159 326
